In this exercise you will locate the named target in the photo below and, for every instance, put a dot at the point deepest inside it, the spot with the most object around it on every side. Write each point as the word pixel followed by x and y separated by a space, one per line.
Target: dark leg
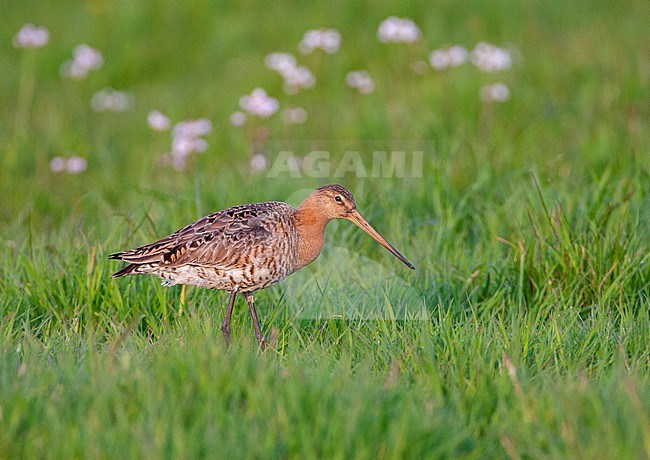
pixel 225 326
pixel 256 323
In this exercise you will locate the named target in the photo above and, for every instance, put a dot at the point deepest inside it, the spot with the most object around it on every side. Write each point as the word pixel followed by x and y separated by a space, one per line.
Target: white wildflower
pixel 498 92
pixel 329 40
pixel 294 115
pixel 457 55
pixel 453 56
pixel 489 58
pixel 57 164
pixel 361 81
pixel 111 100
pixel 258 162
pixel 297 78
pixel 187 138
pixel 72 165
pixel 76 164
pixel 158 121
pixel 238 118
pixel 184 146
pixel 259 103
pixel 193 128
pixel 178 162
pixel 88 57
pixel 85 59
pixel 30 36
pixel 438 60
pixel 280 62
pixel 398 30
pixel 72 69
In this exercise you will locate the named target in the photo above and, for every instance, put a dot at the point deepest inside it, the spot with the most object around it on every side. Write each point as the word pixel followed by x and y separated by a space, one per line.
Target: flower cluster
pixel 280 62
pixel 238 118
pixel 486 57
pixel 295 77
pixel 85 59
pixel 489 58
pixel 361 81
pixel 258 162
pixel 158 121
pixel 398 30
pixel 187 138
pixel 30 36
pixel 111 100
pixel 329 40
pixel 259 104
pixel 294 115
pixel 497 92
pixel 72 165
pixel 444 58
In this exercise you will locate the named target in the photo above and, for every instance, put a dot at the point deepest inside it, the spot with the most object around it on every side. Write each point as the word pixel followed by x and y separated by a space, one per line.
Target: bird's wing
pixel 218 240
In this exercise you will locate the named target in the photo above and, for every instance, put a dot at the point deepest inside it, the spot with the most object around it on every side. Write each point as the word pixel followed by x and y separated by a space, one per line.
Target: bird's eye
pixel 338 199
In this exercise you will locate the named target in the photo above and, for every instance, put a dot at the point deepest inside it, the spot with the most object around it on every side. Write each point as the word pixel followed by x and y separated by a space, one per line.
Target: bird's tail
pixel 128 270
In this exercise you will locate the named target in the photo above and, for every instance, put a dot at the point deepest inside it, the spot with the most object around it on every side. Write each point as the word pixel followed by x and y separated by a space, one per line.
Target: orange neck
pixel 311 233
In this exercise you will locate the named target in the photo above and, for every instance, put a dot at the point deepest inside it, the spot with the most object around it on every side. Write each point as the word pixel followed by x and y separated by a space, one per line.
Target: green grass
pixel 523 333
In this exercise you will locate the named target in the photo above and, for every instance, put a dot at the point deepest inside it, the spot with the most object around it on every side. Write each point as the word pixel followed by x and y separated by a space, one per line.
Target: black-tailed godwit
pixel 247 248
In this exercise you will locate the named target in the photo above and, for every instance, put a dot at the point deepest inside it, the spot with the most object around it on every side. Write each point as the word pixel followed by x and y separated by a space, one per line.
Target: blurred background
pixel 488 90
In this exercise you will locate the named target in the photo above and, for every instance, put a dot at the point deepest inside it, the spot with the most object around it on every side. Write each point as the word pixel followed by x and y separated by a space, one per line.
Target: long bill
pixel 355 217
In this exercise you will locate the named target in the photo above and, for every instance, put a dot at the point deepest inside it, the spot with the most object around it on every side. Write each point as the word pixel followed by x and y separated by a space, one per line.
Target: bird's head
pixel 333 201
pixel 336 202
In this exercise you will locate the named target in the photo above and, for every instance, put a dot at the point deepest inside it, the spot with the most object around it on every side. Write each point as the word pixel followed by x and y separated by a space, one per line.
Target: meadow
pixel 523 202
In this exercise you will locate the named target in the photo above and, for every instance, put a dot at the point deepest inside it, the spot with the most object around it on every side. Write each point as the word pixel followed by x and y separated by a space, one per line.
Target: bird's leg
pixel 181 308
pixel 225 326
pixel 256 323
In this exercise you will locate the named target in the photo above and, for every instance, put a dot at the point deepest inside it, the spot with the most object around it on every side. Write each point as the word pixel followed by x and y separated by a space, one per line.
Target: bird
pixel 246 248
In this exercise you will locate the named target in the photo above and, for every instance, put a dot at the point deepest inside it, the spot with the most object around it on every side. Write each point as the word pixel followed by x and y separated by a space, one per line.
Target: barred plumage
pixel 247 248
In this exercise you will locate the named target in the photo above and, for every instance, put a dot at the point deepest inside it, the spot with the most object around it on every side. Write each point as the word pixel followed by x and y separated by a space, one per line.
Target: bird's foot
pixel 263 343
